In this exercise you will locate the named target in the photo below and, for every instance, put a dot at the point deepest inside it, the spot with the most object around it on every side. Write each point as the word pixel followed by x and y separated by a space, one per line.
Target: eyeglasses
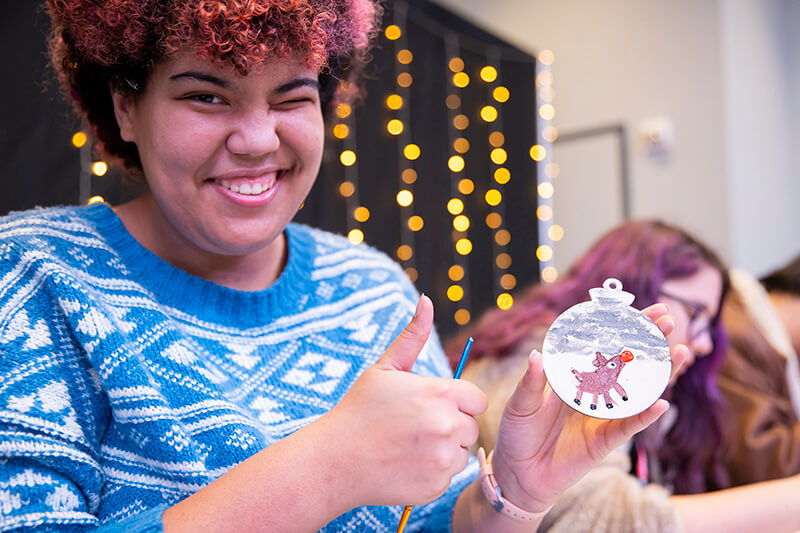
pixel 699 320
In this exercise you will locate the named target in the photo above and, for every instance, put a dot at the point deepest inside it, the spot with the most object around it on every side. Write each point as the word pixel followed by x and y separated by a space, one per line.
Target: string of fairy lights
pixel 461 185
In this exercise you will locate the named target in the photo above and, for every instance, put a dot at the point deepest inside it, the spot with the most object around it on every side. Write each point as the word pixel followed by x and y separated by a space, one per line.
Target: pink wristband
pixel 495 496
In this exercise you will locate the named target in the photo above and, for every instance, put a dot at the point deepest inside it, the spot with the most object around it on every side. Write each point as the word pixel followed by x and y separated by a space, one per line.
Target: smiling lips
pixel 249 186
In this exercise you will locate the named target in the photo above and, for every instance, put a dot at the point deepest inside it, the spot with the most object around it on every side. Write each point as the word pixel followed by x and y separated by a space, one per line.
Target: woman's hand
pixel 405 435
pixel 545 446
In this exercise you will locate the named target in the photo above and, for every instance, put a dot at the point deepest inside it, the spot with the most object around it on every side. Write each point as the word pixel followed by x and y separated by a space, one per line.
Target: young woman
pixel 682 453
pixel 190 360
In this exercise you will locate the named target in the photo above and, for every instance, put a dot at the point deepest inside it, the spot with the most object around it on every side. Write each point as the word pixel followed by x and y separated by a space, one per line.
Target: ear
pixel 599 360
pixel 124 110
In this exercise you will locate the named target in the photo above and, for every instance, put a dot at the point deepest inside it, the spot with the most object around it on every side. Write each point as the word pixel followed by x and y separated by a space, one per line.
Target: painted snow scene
pixel 605 358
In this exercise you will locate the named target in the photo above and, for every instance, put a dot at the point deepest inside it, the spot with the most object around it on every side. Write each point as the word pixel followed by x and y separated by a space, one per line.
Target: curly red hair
pixel 94 45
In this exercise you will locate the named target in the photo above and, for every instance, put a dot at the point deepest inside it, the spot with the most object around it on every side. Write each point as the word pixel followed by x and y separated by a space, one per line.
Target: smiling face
pixel 228 159
pixel 693 302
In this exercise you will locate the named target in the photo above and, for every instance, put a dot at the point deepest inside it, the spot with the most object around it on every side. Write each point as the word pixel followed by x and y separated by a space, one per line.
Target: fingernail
pixel 419 304
pixel 666 306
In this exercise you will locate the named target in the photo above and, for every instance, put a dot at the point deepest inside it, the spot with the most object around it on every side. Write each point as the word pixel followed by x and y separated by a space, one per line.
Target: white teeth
pixel 255 189
pixel 245 188
pixel 235 188
pixel 226 184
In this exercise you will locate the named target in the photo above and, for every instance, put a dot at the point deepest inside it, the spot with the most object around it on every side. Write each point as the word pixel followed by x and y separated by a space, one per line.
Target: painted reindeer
pixel 600 382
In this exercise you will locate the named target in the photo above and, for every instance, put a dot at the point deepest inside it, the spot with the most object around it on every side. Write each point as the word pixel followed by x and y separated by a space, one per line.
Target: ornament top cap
pixel 611 293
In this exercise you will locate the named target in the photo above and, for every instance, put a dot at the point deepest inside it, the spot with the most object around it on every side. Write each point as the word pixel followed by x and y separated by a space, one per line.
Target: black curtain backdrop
pixel 40 166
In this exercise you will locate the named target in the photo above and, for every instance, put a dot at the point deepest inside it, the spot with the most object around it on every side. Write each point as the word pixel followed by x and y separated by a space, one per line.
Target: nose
pixel 703 344
pixel 254 134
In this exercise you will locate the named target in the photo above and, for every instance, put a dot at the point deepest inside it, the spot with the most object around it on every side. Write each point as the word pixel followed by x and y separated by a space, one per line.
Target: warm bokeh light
pixel 415 223
pixel 488 74
pixel 555 232
pixel 494 220
pixel 544 213
pixel 395 126
pixel 361 214
pixel 453 101
pixel 547 111
pixel 404 252
pixel 498 156
pixel 502 176
pixel 412 274
pixel 455 293
pixel 340 131
pixel 546 57
pixel 463 246
pixel 493 197
pixel 394 101
pixel 538 152
pixel 405 198
pixel 96 200
pixel 346 189
pixel 545 189
pixel 455 272
pixel 455 163
pixel 461 223
pixel 544 253
pixel 547 93
pixel 99 168
pixel 393 32
pixel 488 113
pixel 405 57
pixel 348 158
pixel 404 79
pixel 500 94
pixel 497 139
pixel 79 139
pixel 502 237
pixel 462 317
pixel 409 176
pixel 411 151
pixel 552 170
pixel 549 274
pixel 456 64
pixel 356 236
pixel 455 206
pixel 343 110
pixel 508 281
pixel 503 261
pixel 544 78
pixel 466 186
pixel 505 301
pixel 550 134
pixel 461 145
pixel 460 79
pixel 461 122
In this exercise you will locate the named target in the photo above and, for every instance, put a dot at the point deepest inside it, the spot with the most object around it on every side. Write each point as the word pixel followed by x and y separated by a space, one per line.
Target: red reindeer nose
pixel 626 356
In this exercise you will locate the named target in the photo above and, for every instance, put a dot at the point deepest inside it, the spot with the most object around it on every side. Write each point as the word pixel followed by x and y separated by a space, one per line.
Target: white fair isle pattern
pixel 127 384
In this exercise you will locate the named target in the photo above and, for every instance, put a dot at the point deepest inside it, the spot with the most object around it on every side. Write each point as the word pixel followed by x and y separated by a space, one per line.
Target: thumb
pixel 406 347
pixel 528 396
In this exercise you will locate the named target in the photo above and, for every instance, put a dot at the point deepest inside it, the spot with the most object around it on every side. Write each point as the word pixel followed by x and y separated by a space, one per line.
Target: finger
pixel 656 311
pixel 468 431
pixel 468 397
pixel 620 431
pixel 666 324
pixel 679 354
pixel 528 396
pixel 406 347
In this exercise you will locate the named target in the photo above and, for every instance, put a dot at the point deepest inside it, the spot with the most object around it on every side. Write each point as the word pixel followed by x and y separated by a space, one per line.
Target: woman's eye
pixel 205 98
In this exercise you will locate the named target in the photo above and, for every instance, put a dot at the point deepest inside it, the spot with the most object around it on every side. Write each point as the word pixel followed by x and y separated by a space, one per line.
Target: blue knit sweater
pixel 127 384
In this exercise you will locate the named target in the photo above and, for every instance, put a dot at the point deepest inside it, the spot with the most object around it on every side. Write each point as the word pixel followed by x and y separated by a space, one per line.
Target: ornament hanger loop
pixel 612 284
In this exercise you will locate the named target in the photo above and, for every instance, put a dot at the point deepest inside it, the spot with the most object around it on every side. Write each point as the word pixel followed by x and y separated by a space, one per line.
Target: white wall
pixel 761 54
pixel 725 73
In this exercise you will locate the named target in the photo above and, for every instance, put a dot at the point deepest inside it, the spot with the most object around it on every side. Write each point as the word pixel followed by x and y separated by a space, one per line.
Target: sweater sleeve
pixel 52 413
pixel 608 500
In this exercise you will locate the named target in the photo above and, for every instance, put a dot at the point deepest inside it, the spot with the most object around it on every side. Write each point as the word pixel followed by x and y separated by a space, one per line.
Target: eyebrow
pixel 285 88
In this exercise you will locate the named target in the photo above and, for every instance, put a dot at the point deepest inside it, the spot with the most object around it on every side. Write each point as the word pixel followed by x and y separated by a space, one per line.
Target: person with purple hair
pixel 679 458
